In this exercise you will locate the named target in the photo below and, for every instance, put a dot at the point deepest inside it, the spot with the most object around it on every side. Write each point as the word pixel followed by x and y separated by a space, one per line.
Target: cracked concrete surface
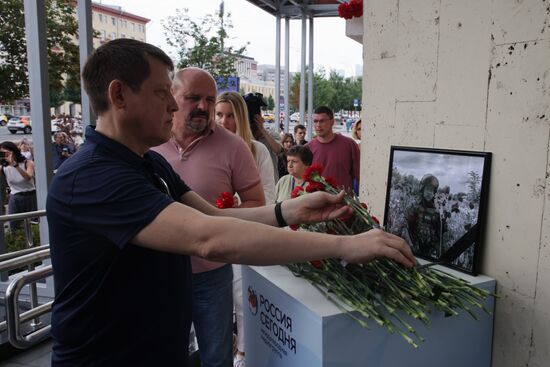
pixel 474 75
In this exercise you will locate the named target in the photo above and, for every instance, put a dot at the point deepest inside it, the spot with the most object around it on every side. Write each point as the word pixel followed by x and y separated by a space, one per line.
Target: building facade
pixel 112 22
pixel 247 68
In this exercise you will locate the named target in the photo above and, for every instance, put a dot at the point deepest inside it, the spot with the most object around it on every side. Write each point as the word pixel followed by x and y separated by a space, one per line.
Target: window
pixel 122 36
pixel 113 19
pixel 113 35
pixel 102 35
pixel 133 26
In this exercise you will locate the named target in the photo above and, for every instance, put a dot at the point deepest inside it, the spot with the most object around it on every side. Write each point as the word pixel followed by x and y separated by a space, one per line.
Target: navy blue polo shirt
pixel 116 304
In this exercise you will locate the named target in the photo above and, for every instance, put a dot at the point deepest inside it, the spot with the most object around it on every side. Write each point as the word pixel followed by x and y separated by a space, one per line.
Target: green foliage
pixel 15 240
pixel 202 44
pixel 56 98
pixel 335 91
pixel 71 90
pixel 270 103
pixel 63 56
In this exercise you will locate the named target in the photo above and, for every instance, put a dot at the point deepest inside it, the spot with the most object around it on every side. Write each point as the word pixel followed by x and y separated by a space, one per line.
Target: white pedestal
pixel 354 29
pixel 293 325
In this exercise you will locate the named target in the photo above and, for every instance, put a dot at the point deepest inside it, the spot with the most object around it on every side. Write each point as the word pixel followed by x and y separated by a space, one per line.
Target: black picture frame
pixel 448 228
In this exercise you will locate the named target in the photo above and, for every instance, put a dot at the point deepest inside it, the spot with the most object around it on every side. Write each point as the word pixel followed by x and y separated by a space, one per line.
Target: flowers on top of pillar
pixel 350 8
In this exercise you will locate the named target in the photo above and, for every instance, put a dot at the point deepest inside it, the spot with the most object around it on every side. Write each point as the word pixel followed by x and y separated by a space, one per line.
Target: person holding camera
pixel 19 174
pixel 60 150
pixel 254 104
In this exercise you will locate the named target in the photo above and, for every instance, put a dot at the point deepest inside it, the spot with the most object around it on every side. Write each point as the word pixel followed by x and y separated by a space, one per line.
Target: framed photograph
pixel 436 200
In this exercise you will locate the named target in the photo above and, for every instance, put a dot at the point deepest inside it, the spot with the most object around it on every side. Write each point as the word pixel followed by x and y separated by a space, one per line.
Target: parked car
pixel 295 117
pixel 268 117
pixel 4 119
pixel 22 123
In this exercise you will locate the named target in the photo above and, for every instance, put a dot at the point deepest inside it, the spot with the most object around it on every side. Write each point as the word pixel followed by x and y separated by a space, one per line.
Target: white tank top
pixel 15 181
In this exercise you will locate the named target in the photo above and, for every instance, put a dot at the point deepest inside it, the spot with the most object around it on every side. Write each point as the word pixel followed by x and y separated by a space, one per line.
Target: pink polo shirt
pixel 216 162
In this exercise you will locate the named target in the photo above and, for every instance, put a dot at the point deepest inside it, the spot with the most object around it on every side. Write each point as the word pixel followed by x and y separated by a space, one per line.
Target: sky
pixel 332 49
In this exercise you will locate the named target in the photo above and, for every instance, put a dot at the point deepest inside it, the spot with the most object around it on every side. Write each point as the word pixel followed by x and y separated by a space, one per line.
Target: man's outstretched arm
pixel 182 229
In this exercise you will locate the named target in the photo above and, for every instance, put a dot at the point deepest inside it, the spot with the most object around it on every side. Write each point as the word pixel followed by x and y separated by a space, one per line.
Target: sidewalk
pixel 38 356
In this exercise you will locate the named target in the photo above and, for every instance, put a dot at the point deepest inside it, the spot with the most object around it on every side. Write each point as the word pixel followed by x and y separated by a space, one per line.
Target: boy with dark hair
pixel 300 134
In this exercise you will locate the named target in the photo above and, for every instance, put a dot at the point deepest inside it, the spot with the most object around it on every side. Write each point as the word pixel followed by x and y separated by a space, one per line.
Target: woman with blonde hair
pixel 232 114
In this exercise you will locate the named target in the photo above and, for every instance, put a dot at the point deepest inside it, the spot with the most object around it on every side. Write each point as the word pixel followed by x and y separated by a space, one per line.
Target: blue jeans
pixel 213 316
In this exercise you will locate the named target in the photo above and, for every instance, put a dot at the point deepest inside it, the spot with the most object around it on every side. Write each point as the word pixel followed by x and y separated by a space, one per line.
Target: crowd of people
pixel 17 173
pixel 140 192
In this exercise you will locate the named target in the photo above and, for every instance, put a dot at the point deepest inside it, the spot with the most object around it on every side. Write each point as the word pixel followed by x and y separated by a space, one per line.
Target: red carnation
pixel 313 173
pixel 298 190
pixel 318 264
pixel 315 186
pixel 226 200
pixel 294 227
pixel 331 181
pixel 351 9
pixel 375 219
pixel 253 300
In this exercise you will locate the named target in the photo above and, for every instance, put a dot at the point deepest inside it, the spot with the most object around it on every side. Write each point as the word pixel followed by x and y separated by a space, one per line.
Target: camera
pixel 254 104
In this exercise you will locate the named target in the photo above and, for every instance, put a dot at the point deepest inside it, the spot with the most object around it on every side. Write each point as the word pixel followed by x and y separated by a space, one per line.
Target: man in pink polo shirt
pixel 338 154
pixel 211 160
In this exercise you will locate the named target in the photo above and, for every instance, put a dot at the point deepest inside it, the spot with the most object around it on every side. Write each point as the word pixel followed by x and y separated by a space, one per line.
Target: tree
pixel 203 44
pixel 474 184
pixel 335 91
pixel 270 103
pixel 63 56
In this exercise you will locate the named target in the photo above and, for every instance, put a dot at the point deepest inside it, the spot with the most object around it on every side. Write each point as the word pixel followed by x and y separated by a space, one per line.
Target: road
pixel 6 135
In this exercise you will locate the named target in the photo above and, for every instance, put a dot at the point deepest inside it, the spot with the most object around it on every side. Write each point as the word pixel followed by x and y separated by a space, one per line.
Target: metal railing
pixel 28 257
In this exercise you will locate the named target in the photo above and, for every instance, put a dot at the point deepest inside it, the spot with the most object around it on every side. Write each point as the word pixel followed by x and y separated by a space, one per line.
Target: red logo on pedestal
pixel 252 301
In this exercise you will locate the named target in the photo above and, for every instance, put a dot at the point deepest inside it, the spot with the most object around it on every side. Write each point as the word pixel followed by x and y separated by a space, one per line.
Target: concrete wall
pixel 473 75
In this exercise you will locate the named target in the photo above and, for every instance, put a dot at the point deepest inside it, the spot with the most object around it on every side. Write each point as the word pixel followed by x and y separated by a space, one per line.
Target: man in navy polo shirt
pixel 122 225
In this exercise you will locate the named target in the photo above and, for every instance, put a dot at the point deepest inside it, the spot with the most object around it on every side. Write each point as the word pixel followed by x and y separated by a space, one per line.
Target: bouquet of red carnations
pixel 349 9
pixel 381 290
